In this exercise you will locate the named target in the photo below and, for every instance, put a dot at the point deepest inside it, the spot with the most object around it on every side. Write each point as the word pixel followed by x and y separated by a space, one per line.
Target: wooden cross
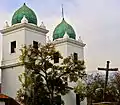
pixel 107 69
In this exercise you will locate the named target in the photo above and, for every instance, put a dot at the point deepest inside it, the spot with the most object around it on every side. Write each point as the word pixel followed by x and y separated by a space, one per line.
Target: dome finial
pixel 66 35
pixel 48 38
pixel 80 40
pixel 62 12
pixel 24 4
pixel 6 25
pixel 42 25
pixel 24 20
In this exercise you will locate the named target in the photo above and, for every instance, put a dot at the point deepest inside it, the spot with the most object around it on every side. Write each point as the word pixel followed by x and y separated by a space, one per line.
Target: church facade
pixel 25 31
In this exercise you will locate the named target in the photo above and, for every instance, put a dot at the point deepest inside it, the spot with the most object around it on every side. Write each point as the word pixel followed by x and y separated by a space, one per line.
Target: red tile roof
pixel 8 100
pixel 3 96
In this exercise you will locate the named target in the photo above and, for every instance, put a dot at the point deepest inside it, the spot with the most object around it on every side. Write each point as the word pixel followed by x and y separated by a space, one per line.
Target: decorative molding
pixel 10 65
pixel 6 25
pixel 42 26
pixel 106 103
pixel 70 40
pixel 22 25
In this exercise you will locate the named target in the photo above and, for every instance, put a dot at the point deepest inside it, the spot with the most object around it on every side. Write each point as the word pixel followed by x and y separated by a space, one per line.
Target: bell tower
pixel 23 31
pixel 64 38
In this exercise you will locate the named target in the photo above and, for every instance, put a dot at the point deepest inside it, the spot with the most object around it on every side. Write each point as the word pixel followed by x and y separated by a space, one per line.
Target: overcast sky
pixel 96 21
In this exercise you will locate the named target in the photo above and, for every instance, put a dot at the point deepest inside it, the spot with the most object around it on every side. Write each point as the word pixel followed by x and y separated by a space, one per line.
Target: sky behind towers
pixel 96 21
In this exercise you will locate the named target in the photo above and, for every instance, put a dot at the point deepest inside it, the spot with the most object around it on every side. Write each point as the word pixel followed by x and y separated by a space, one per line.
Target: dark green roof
pixel 63 28
pixel 29 14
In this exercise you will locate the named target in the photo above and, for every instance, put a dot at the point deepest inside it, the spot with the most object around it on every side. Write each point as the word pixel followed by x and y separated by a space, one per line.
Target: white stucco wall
pixel 2 103
pixel 72 48
pixel 18 36
pixel 32 35
pixel 67 48
pixel 10 82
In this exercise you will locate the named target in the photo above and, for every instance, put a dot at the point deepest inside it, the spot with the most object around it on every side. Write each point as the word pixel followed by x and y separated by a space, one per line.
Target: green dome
pixel 63 28
pixel 29 14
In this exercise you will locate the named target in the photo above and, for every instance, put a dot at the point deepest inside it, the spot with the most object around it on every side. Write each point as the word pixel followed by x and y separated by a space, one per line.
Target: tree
pixel 116 83
pixel 95 87
pixel 43 81
pixel 80 90
pixel 95 84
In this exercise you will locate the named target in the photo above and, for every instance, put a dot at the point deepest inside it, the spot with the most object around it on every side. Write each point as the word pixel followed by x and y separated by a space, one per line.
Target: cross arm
pixel 101 68
pixel 111 69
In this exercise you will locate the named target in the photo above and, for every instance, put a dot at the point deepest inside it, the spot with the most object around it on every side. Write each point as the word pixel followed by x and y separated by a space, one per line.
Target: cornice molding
pixel 69 40
pixel 22 25
pixel 10 65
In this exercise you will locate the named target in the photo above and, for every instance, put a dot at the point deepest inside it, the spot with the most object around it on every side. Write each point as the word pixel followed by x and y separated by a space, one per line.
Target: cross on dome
pixel 63 28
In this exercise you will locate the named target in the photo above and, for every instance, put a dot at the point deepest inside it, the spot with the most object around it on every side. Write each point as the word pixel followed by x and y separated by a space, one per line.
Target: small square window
pixel 35 44
pixel 56 57
pixel 13 46
pixel 75 55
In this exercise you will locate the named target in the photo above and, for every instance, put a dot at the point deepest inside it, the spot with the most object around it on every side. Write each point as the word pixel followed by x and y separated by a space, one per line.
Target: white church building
pixel 25 31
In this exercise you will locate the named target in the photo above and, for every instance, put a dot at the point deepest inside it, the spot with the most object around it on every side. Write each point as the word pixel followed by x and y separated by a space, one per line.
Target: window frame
pixel 13 46
pixel 35 44
pixel 75 57
pixel 56 57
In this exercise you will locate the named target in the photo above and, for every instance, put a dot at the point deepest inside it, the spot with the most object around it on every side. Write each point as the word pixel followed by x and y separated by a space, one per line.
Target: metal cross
pixel 62 12
pixel 107 69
